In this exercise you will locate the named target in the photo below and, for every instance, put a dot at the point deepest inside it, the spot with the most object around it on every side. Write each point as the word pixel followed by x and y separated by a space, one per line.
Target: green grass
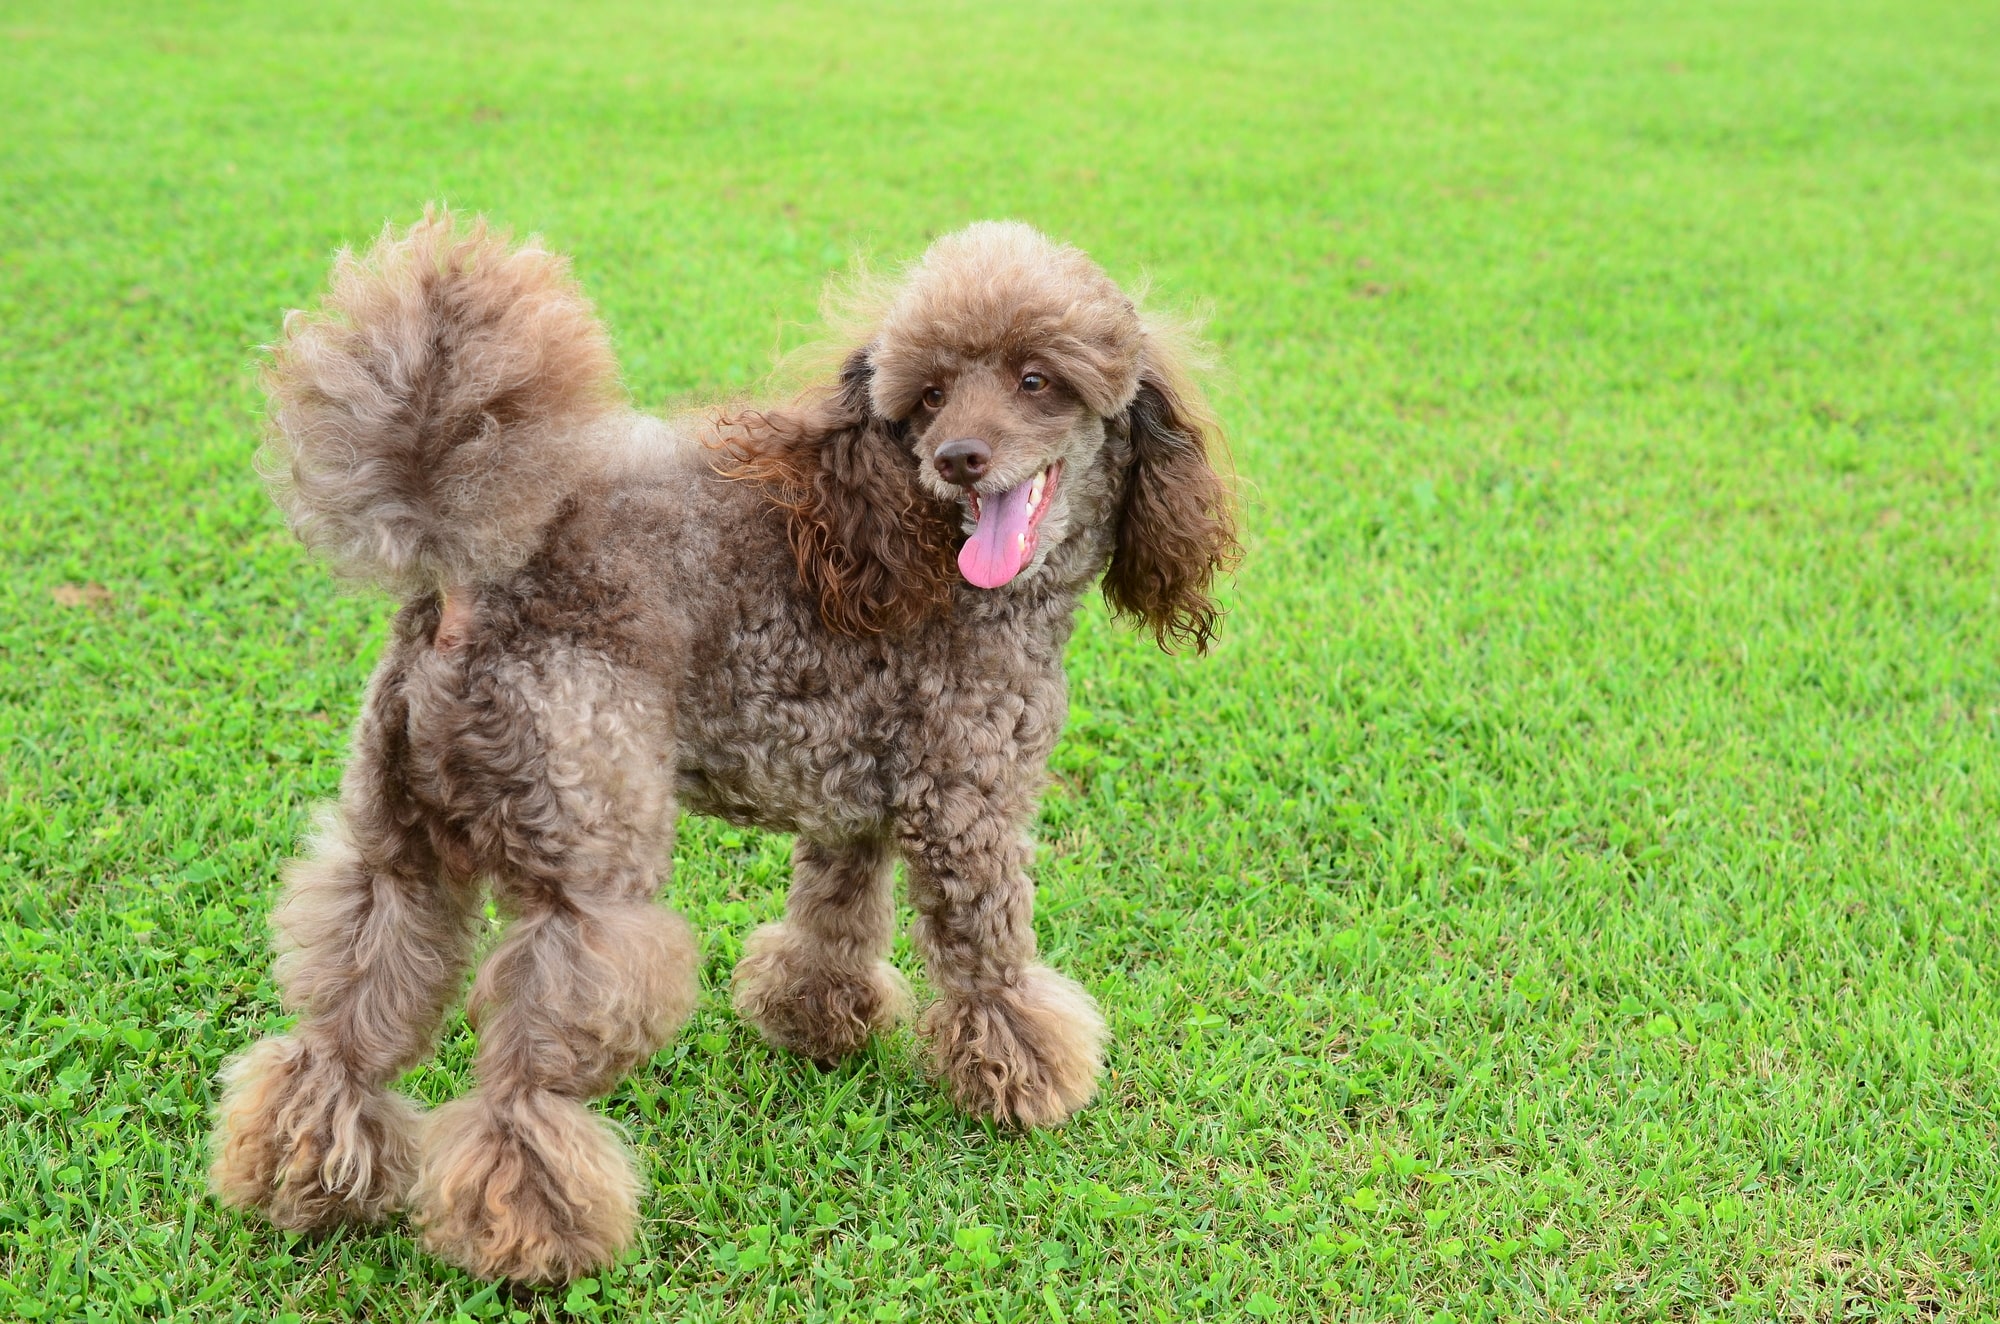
pixel 1569 893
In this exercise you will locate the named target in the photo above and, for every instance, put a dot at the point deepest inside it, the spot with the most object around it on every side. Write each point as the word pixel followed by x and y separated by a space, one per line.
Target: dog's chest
pixel 784 740
pixel 785 728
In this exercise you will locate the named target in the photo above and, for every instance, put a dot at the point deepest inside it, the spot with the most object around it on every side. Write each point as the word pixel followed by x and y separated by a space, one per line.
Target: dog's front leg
pixel 817 982
pixel 1011 1038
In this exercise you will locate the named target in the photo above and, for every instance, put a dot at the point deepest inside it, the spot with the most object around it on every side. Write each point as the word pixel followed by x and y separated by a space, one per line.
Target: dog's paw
pixel 528 1187
pixel 1028 1054
pixel 299 1138
pixel 805 1005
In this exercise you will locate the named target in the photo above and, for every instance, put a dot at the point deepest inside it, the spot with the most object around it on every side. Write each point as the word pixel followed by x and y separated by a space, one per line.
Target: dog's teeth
pixel 1035 490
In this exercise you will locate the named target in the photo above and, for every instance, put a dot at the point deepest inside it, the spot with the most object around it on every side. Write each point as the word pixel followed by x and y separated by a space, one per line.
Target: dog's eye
pixel 1033 382
pixel 933 398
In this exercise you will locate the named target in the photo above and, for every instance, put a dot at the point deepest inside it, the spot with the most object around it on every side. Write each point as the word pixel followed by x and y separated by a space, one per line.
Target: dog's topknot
pixel 1002 287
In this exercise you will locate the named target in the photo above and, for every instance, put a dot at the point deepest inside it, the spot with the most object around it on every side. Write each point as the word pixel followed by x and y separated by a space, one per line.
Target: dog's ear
pixel 871 545
pixel 1176 528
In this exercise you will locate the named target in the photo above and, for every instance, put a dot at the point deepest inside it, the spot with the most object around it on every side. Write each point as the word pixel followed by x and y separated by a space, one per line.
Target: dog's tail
pixel 430 418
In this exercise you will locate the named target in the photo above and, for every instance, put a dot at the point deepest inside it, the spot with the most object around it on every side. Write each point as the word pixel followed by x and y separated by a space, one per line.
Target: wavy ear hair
pixel 873 547
pixel 1176 528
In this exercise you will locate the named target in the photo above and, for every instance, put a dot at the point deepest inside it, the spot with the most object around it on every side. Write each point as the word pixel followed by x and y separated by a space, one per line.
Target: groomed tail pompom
pixel 430 418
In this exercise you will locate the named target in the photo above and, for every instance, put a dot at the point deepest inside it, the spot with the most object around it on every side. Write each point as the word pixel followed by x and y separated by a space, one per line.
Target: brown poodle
pixel 842 618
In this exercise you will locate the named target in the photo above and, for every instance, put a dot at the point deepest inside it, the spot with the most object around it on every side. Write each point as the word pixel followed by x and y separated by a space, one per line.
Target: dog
pixel 841 617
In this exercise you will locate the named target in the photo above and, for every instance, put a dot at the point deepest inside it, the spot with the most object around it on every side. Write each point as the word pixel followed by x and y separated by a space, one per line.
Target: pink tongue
pixel 1000 545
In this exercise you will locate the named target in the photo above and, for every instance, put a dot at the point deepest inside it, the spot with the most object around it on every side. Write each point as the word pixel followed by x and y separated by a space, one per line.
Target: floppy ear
pixel 870 544
pixel 1175 525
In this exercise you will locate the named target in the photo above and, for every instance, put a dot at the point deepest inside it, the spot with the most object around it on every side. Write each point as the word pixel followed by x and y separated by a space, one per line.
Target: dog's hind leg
pixel 519 1180
pixel 816 982
pixel 373 934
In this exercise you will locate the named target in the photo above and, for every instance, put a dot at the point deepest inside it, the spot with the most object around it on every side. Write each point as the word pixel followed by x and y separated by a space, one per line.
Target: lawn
pixel 1568 892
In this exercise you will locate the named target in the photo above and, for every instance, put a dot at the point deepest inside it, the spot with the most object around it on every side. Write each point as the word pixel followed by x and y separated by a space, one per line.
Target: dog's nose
pixel 963 461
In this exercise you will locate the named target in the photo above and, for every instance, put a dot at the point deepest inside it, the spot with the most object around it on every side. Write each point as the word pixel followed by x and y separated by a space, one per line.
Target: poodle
pixel 841 617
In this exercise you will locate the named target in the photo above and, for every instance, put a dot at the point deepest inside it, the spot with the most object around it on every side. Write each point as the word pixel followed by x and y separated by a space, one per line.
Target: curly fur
pixel 428 420
pixel 998 289
pixel 609 618
pixel 574 998
pixel 1027 1054
pixel 1175 529
pixel 816 984
pixel 528 1187
pixel 303 1140
pixel 870 545
pixel 808 1005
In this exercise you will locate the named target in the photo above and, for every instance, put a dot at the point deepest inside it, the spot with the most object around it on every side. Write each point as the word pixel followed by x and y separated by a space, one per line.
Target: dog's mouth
pixel 1005 538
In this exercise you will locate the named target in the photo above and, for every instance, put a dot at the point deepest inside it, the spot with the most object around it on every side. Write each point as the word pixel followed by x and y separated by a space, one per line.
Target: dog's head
pixel 1013 411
